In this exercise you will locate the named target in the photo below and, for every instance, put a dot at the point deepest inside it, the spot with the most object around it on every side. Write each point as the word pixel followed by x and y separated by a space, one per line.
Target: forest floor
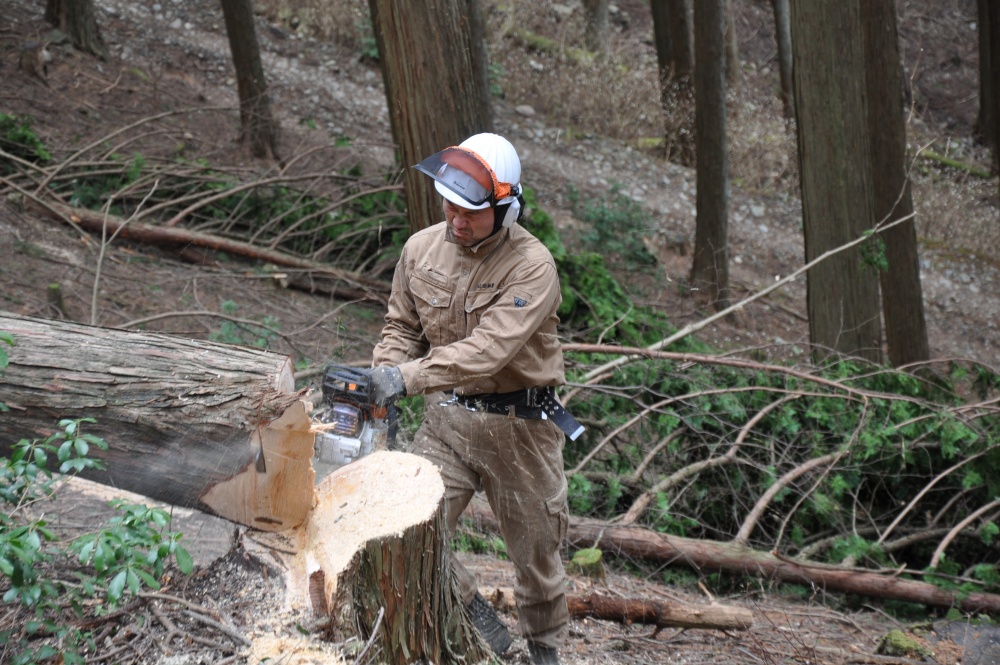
pixel 175 55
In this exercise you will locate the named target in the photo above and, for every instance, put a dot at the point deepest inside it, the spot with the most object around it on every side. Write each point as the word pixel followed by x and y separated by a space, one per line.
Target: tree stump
pixel 196 424
pixel 373 554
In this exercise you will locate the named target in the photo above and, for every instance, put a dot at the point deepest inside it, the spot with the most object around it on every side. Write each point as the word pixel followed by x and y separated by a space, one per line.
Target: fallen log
pixel 373 554
pixel 658 613
pixel 195 424
pixel 316 277
pixel 708 556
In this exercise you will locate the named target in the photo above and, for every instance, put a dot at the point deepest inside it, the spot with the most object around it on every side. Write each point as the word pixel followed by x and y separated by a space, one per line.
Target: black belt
pixel 532 403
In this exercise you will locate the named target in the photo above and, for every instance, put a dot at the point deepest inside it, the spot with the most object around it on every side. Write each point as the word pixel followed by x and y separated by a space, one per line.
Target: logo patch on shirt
pixel 519 302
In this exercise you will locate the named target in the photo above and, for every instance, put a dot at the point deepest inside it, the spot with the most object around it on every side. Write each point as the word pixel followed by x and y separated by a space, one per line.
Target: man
pixel 472 324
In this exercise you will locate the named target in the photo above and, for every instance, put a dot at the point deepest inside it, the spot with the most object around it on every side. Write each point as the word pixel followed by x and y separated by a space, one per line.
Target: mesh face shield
pixel 467 175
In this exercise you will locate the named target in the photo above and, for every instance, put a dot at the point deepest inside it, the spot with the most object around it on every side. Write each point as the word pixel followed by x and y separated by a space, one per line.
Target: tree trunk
pixel 707 556
pixel 834 149
pixel 195 424
pixel 595 34
pixel 732 41
pixel 783 36
pixel 433 59
pixel 374 554
pixel 987 121
pixel 76 19
pixel 991 87
pixel 673 32
pixel 258 128
pixel 902 294
pixel 710 268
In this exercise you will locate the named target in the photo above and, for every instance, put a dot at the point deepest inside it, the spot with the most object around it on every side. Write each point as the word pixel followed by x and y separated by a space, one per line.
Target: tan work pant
pixel 518 464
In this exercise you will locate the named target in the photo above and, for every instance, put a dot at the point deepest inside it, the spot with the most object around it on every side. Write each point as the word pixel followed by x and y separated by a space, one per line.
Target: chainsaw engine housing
pixel 355 426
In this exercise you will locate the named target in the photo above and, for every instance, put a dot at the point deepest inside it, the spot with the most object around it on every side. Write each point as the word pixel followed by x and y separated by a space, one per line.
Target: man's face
pixel 467 227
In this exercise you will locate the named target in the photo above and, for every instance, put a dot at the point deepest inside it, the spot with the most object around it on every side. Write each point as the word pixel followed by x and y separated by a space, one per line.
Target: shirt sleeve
pixel 402 335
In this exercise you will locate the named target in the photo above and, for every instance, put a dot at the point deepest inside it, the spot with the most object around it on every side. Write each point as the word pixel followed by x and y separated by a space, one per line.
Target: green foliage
pixel 476 543
pixel 495 76
pixel 128 555
pixel 18 139
pixel 616 226
pixel 873 253
pixel 594 303
pixel 236 332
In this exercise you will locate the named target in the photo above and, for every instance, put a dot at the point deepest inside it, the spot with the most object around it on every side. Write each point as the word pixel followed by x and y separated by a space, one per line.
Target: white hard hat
pixel 482 171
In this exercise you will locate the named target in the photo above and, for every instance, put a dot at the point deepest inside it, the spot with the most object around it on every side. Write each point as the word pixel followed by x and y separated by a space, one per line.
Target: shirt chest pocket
pixel 433 301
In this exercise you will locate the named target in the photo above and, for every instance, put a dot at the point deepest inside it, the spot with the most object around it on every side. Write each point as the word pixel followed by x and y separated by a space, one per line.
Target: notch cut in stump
pixel 373 555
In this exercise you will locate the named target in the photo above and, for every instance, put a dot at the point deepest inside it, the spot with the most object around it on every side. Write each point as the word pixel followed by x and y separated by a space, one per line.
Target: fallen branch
pixel 658 613
pixel 354 285
pixel 707 556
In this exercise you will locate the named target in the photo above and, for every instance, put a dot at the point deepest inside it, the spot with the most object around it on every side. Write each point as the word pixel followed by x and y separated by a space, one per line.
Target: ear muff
pixel 506 214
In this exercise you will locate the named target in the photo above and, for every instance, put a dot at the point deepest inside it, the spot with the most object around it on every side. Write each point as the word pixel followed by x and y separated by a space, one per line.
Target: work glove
pixel 385 385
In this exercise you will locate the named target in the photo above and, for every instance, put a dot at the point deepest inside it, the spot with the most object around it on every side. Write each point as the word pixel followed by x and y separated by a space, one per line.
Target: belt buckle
pixel 529 397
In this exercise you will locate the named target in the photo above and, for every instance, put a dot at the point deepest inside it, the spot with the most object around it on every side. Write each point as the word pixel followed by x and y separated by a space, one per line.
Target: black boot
pixel 488 624
pixel 543 655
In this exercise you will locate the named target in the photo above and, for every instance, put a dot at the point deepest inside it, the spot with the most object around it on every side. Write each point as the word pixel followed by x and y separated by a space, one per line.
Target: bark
pixel 76 18
pixel 987 121
pixel 710 268
pixel 374 554
pixel 196 424
pixel 783 36
pixel 596 31
pixel 258 128
pixel 834 147
pixel 658 613
pixel 706 556
pixel 673 27
pixel 433 60
pixel 317 277
pixel 902 294
pixel 673 30
pixel 991 90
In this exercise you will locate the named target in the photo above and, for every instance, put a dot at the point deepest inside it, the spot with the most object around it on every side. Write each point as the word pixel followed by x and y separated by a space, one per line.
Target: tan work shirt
pixel 477 319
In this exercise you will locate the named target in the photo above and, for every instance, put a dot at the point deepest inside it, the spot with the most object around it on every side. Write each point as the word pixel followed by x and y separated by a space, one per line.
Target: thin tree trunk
pixel 986 123
pixel 710 268
pixel 783 35
pixel 196 424
pixel 258 128
pixel 673 31
pixel 902 294
pixel 596 30
pixel 433 61
pixel 76 18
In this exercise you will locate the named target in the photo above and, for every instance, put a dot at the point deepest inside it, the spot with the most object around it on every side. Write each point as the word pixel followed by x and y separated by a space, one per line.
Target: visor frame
pixel 451 161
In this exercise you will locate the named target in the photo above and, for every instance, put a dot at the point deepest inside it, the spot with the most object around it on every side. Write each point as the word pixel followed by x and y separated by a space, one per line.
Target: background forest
pixel 716 431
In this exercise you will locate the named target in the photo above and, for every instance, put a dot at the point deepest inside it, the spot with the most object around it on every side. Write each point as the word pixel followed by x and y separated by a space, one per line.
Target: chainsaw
pixel 354 426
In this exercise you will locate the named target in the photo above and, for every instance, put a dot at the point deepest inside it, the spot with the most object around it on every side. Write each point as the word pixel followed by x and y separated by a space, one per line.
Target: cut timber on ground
pixel 195 424
pixel 728 557
pixel 373 553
